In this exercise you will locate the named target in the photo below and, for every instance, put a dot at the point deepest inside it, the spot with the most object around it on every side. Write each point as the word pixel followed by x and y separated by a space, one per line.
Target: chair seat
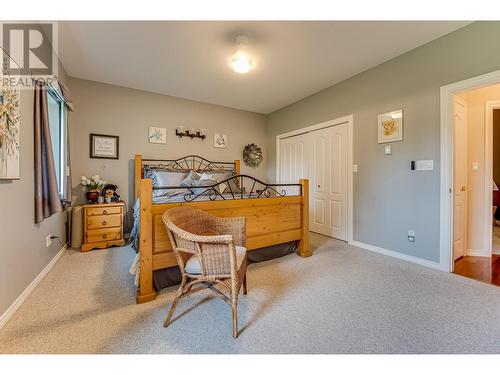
pixel 193 265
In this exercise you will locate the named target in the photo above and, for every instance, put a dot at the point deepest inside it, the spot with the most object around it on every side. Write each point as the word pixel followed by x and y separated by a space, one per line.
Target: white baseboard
pixel 476 253
pixel 395 254
pixel 22 297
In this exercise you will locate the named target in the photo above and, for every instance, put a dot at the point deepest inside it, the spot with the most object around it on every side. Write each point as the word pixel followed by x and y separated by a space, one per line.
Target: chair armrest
pixel 234 226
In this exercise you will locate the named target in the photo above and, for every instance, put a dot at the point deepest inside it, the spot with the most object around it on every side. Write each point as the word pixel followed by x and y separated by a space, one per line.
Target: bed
pixel 275 213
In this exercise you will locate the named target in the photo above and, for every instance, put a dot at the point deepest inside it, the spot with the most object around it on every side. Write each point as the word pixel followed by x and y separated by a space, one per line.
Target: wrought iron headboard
pixel 190 162
pixel 240 186
pixel 236 187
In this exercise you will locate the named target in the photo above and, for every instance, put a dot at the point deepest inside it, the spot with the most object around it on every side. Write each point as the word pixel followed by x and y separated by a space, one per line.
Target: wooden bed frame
pixel 270 220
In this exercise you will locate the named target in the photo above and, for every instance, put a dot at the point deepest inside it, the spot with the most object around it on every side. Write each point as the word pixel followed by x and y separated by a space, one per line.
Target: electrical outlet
pixel 48 240
pixel 411 235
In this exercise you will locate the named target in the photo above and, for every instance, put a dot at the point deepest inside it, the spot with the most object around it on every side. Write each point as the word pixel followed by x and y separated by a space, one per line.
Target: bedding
pixel 162 177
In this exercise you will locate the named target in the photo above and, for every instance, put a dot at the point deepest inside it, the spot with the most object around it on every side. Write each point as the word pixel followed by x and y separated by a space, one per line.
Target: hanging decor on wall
pixel 390 126
pixel 157 135
pixel 252 155
pixel 191 133
pixel 104 146
pixel 220 140
pixel 9 131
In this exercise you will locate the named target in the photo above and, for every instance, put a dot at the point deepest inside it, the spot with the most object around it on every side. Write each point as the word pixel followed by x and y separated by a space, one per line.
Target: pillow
pixel 165 178
pixel 233 183
pixel 190 178
pixel 204 182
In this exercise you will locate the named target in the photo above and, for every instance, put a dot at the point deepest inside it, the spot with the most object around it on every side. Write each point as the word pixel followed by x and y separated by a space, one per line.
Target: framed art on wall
pixel 220 140
pixel 157 135
pixel 9 131
pixel 390 126
pixel 104 146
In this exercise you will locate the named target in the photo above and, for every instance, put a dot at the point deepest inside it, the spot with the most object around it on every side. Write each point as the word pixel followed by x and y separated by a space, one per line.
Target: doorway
pixel 475 193
pixel 321 153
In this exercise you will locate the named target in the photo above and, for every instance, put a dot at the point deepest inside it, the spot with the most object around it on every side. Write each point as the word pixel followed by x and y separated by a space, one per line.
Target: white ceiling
pixel 190 59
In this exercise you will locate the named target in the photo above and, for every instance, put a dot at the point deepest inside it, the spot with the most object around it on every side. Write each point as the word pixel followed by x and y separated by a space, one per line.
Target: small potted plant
pixel 93 185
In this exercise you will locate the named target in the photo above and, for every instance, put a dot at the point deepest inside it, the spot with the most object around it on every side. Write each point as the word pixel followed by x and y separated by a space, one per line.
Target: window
pixel 57 122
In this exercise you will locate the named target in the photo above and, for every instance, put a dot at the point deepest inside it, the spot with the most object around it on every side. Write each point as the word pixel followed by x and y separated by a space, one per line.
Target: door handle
pixel 464 188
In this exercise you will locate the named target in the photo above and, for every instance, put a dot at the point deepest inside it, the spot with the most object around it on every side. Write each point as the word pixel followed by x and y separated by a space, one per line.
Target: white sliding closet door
pixel 293 159
pixel 320 156
pixel 328 200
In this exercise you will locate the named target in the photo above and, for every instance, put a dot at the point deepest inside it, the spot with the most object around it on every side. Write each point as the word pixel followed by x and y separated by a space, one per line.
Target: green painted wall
pixel 389 199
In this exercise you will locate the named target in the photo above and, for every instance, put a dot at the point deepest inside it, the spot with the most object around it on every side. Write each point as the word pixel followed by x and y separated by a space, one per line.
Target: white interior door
pixel 294 163
pixel 459 179
pixel 328 200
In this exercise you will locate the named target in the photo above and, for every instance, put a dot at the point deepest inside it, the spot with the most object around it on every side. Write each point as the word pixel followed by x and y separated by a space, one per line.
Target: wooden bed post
pixel 237 167
pixel 146 291
pixel 137 175
pixel 304 250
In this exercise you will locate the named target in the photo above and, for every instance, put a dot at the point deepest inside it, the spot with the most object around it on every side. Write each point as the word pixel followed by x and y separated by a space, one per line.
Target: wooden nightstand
pixel 103 225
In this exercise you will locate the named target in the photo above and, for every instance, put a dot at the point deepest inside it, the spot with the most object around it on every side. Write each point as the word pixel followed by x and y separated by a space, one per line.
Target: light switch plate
pixel 424 165
pixel 475 166
pixel 388 150
pixel 354 167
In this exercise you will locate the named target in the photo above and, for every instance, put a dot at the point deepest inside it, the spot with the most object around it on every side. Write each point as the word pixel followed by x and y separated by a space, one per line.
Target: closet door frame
pixel 338 121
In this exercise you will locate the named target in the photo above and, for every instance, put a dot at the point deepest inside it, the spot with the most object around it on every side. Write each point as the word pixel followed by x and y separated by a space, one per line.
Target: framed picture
pixel 9 131
pixel 104 146
pixel 390 126
pixel 157 135
pixel 220 140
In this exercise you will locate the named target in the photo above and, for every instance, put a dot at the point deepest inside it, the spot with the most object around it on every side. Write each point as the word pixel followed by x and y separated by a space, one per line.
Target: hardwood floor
pixel 479 268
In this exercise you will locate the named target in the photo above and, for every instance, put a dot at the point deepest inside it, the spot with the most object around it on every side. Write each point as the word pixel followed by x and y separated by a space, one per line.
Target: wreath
pixel 252 155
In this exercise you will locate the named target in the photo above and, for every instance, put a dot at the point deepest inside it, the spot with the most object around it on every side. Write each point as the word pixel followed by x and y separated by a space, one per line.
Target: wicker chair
pixel 210 252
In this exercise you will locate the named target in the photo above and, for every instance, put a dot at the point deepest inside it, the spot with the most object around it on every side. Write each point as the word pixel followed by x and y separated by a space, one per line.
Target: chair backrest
pixel 188 220
pixel 184 224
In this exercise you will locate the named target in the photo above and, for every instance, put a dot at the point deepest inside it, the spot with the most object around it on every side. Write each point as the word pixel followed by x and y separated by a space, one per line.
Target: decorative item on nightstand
pixel 103 225
pixel 109 193
pixel 93 186
pixel 252 155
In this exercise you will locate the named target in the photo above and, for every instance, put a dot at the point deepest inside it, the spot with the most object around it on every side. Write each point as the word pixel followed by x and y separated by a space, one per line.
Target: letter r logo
pixel 28 47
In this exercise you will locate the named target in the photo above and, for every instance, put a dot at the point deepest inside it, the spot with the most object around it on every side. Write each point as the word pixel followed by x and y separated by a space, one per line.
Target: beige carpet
pixel 341 300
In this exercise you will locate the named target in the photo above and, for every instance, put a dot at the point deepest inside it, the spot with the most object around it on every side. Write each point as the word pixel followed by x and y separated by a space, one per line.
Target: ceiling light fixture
pixel 241 61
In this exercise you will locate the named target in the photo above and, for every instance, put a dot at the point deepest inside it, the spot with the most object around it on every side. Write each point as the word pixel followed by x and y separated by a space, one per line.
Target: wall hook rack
pixel 191 133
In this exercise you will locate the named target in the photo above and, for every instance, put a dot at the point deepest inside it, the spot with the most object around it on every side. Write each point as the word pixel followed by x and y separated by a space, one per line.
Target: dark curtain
pixel 47 199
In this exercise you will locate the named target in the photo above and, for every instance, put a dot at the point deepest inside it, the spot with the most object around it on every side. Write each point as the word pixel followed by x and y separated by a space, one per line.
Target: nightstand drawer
pixel 100 235
pixel 104 221
pixel 93 211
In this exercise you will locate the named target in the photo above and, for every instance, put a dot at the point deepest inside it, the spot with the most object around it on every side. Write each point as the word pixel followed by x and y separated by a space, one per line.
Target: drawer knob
pixel 104 236
pixel 104 222
pixel 104 212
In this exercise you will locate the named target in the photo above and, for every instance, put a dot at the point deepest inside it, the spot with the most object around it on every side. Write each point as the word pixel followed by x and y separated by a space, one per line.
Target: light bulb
pixel 241 63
